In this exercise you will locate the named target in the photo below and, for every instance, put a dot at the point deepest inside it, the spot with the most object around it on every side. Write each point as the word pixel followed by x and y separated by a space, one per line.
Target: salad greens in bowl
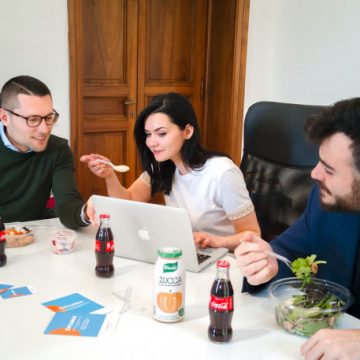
pixel 304 304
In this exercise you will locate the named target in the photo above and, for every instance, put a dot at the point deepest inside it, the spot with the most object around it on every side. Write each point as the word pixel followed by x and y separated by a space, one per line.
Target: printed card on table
pixel 5 287
pixel 73 302
pixel 18 292
pixel 75 324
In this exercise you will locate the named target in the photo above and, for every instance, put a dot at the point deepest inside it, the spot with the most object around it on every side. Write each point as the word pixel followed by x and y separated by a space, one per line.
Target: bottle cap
pixel 169 252
pixel 104 216
pixel 222 264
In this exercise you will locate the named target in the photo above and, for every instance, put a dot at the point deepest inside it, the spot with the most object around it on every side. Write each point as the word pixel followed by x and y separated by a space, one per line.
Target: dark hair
pixel 342 117
pixel 181 113
pixel 23 84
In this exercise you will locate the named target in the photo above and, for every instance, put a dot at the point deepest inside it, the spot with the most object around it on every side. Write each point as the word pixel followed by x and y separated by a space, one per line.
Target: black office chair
pixel 277 161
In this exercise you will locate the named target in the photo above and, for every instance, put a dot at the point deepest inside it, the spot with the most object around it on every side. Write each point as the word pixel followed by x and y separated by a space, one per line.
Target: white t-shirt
pixel 213 195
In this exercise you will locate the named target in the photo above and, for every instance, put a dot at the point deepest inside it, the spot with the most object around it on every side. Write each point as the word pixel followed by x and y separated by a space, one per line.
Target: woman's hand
pixel 203 240
pixel 98 168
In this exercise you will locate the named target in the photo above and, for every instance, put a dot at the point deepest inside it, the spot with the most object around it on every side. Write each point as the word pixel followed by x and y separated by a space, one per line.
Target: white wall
pixel 34 41
pixel 303 51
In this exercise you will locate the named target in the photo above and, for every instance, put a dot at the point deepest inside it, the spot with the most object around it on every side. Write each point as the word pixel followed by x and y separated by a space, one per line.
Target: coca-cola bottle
pixel 3 257
pixel 104 248
pixel 221 306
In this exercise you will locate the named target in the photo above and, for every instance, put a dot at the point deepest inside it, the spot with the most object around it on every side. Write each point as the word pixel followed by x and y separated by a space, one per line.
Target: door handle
pixel 129 102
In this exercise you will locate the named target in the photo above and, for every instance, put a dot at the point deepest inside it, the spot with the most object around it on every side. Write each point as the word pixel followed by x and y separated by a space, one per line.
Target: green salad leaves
pixel 304 267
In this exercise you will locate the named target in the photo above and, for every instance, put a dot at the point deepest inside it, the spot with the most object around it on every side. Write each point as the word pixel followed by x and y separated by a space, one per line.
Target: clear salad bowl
pixel 329 301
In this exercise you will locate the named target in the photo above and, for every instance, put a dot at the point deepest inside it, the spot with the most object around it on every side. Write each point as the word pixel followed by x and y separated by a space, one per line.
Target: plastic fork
pixel 284 259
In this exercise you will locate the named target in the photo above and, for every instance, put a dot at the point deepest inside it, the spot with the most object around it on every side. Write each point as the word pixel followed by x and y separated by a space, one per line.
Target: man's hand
pixel 90 213
pixel 253 261
pixel 330 344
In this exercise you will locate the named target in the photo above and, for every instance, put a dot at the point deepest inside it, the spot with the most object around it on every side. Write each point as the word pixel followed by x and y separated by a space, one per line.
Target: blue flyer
pixel 17 292
pixel 75 324
pixel 73 302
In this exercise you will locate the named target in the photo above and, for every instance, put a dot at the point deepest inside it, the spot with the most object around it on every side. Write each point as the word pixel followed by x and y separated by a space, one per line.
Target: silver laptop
pixel 140 229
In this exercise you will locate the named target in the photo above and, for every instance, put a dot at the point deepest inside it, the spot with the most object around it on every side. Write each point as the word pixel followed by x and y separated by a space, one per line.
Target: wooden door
pixel 124 52
pixel 103 38
pixel 172 48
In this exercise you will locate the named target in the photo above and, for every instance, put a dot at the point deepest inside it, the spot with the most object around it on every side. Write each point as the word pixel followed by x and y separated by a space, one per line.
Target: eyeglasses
pixel 35 120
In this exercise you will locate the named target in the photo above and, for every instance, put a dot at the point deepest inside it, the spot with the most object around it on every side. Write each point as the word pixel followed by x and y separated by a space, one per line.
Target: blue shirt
pixel 332 236
pixel 6 140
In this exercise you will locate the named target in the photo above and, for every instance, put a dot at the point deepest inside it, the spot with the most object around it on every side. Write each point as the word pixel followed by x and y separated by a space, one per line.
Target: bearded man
pixel 328 228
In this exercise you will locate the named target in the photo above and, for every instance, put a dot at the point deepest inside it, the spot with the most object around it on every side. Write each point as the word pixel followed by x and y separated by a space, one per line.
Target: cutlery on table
pixel 118 168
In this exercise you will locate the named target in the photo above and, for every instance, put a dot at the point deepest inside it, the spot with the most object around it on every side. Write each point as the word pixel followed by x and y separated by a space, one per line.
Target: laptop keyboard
pixel 202 257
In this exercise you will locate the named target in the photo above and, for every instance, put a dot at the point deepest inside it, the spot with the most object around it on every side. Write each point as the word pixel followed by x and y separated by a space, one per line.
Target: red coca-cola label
pixel 221 303
pixel 109 246
pixel 2 236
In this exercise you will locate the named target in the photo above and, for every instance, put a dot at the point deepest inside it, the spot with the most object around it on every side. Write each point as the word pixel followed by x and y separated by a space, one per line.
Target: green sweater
pixel 26 180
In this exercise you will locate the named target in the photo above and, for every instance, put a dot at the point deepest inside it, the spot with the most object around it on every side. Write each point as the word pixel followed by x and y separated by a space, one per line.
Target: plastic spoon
pixel 280 257
pixel 118 168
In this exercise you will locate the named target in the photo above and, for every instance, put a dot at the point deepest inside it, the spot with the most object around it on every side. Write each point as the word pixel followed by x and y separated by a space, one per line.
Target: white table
pixel 137 335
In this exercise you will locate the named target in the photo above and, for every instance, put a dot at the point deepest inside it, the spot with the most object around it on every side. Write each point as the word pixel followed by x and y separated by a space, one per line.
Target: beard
pixel 348 203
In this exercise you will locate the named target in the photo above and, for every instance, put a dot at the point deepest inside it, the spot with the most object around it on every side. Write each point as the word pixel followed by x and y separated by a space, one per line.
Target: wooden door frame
pixel 238 78
pixel 76 75
pixel 232 143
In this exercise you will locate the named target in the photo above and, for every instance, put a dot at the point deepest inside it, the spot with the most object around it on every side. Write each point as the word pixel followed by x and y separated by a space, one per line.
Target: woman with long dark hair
pixel 208 184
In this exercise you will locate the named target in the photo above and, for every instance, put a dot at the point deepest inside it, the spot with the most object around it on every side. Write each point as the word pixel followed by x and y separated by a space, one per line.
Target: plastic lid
pixel 104 216
pixel 222 264
pixel 170 252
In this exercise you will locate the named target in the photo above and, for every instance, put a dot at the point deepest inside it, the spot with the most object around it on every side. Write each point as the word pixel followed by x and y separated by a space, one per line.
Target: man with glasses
pixel 33 162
